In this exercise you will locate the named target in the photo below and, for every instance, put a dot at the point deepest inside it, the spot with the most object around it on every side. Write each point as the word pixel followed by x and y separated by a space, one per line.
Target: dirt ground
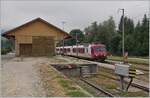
pixel 19 78
pixel 27 77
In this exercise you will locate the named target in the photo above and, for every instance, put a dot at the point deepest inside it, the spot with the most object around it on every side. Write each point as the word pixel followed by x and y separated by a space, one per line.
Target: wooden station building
pixel 36 38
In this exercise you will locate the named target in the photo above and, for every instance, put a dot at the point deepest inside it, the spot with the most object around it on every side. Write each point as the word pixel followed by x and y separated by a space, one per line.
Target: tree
pixel 145 36
pixel 114 46
pixel 128 34
pixel 72 41
pixel 6 45
pixel 102 32
pixel 136 38
pixel 106 31
pixel 90 32
pixel 128 25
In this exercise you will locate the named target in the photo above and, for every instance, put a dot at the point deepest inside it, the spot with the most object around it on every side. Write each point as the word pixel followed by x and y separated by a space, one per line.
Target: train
pixel 92 51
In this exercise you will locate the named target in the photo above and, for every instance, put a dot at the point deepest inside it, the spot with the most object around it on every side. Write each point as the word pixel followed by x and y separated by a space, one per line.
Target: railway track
pixel 131 62
pixel 133 84
pixel 146 71
pixel 108 94
pixel 143 69
pixel 113 62
pixel 140 86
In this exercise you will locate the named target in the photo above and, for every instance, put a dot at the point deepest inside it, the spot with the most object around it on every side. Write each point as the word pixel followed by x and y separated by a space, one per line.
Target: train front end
pixel 99 52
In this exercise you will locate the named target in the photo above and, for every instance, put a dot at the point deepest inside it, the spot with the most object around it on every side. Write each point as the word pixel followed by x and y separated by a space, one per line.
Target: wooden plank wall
pixel 43 46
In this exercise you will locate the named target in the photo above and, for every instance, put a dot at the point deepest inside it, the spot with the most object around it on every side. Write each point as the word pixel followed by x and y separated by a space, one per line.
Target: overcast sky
pixel 76 14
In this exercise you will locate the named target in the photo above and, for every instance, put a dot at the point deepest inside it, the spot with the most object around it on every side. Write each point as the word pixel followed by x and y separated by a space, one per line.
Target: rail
pixel 97 87
pixel 133 84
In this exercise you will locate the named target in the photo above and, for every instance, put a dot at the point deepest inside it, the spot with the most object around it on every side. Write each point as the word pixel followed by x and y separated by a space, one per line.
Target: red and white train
pixel 92 51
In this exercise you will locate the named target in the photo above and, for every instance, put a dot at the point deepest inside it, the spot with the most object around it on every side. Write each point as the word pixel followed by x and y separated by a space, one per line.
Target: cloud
pixel 77 14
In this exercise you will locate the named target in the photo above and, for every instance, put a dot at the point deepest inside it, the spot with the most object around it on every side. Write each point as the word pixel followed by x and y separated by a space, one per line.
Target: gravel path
pixel 19 78
pixel 7 57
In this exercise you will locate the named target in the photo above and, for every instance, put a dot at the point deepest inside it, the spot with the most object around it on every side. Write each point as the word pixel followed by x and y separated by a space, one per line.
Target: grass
pixel 67 84
pixel 76 94
pixel 71 89
pixel 64 83
pixel 56 85
pixel 111 86
pixel 106 72
pixel 86 87
pixel 109 72
pixel 104 82
pixel 134 94
pixel 114 84
pixel 130 59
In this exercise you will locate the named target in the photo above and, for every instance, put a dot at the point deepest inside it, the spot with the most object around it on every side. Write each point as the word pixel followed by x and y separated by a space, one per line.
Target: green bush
pixel 5 50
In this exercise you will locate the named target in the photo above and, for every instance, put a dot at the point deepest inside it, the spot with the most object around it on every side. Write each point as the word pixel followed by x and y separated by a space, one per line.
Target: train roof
pixel 83 45
pixel 67 46
pixel 97 45
pixel 79 46
pixel 64 47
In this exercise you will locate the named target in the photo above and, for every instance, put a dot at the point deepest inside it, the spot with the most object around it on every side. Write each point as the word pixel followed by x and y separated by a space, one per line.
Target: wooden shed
pixel 36 38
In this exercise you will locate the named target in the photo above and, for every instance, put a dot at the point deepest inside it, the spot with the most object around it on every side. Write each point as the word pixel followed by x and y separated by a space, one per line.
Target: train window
pixel 65 50
pixel 100 49
pixel 68 49
pixel 81 50
pixel 61 49
pixel 74 50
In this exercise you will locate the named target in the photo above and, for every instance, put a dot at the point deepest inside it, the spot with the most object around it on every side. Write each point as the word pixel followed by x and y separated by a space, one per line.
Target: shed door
pixel 26 49
pixel 43 46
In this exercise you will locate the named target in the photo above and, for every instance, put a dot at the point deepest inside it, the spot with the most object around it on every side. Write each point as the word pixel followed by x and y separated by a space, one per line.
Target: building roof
pixel 37 19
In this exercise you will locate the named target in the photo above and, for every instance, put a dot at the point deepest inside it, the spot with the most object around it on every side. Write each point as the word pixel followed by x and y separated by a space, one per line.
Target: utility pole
pixel 122 33
pixel 122 77
pixel 77 43
pixel 63 23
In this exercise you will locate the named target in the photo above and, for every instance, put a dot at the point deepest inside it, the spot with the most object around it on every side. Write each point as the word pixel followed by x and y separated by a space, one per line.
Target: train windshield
pixel 100 49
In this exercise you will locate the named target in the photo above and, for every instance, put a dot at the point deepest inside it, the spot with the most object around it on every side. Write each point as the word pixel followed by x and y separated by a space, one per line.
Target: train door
pixel 71 50
pixel 86 52
pixel 89 50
